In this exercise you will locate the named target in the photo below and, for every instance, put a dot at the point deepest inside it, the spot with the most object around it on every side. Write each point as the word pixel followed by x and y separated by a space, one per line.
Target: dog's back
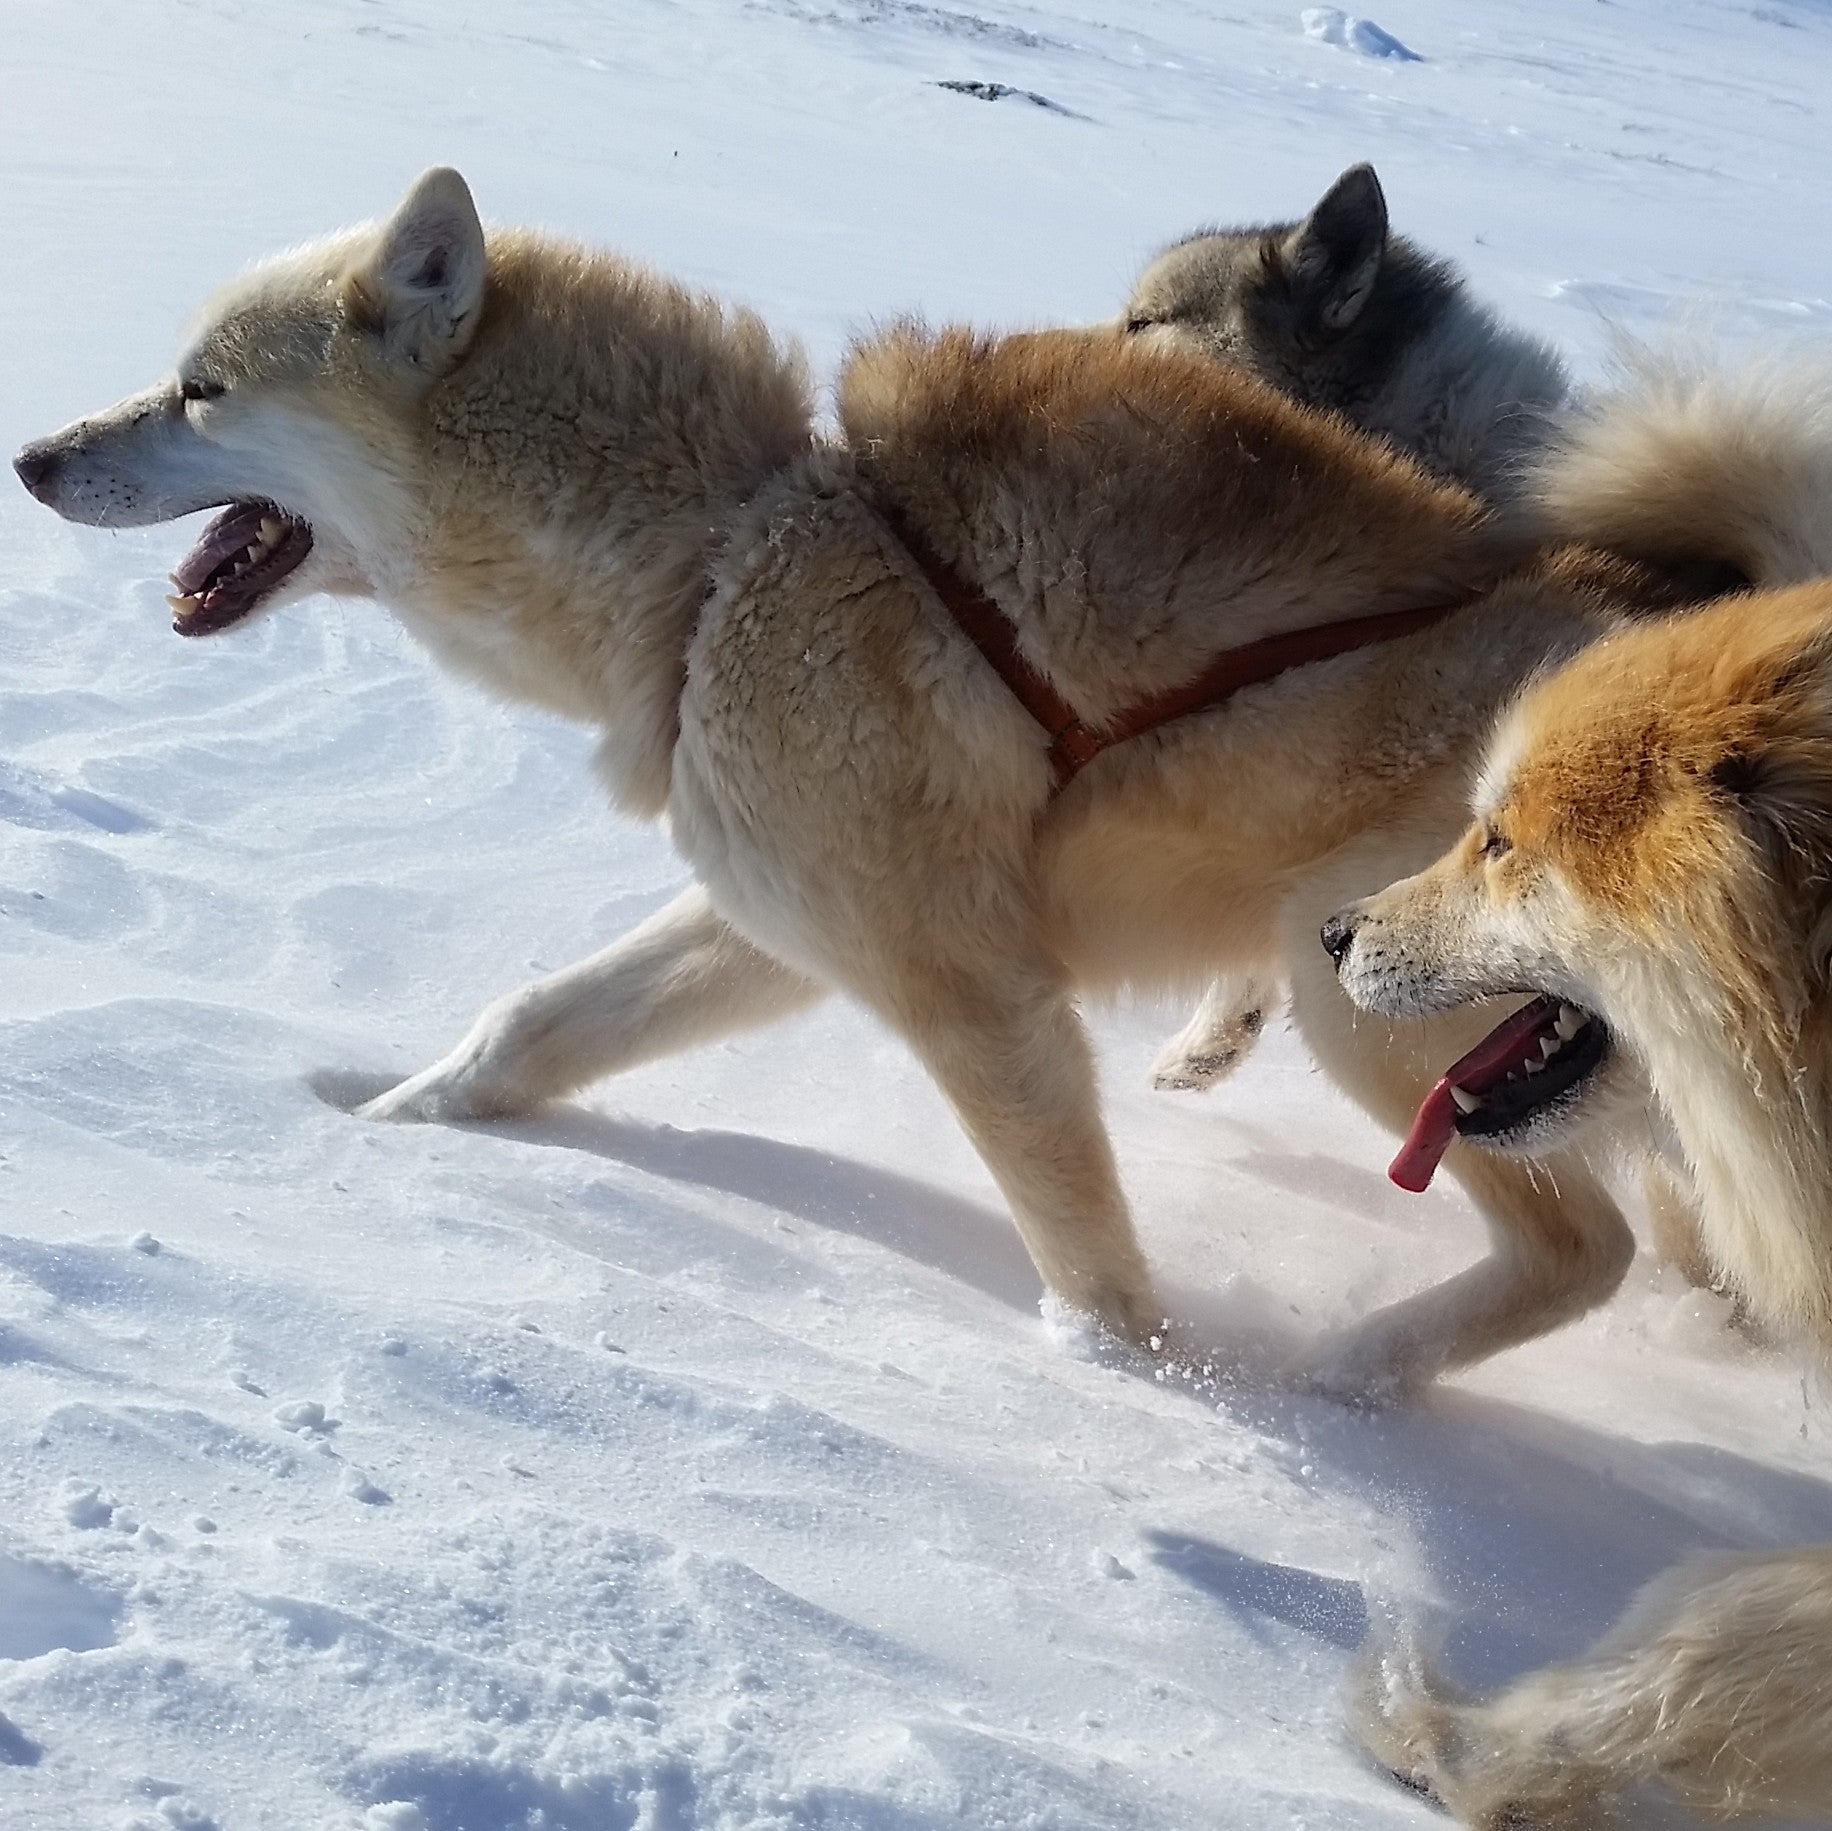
pixel 1134 510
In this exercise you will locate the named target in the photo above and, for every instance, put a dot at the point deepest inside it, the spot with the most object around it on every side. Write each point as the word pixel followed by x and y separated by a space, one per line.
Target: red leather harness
pixel 1073 742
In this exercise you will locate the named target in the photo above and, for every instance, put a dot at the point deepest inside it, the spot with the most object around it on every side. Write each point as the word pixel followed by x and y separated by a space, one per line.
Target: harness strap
pixel 1073 742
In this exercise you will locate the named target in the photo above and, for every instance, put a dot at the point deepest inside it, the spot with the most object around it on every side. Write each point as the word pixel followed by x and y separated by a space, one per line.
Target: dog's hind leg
pixel 1219 1035
pixel 1013 1061
pixel 1558 1243
pixel 680 978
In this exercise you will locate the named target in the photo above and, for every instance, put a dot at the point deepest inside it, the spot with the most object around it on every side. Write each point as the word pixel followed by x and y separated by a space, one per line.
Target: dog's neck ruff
pixel 1074 743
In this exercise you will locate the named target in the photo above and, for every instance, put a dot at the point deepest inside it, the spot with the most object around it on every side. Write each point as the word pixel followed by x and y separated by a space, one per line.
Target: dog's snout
pixel 36 467
pixel 1338 935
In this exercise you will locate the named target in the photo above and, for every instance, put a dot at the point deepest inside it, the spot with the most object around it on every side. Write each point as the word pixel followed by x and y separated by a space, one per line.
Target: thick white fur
pixel 1686 903
pixel 1714 1687
pixel 1650 454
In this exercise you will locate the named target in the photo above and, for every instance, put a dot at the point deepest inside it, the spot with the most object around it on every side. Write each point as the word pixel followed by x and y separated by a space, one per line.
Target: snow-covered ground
pixel 696 1457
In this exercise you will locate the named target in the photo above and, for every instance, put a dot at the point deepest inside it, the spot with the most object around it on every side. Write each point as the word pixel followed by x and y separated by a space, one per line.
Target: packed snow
pixel 1331 26
pixel 695 1456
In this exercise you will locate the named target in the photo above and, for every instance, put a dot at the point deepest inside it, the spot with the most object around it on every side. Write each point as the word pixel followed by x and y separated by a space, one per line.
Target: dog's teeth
pixel 1466 1101
pixel 271 530
pixel 1568 1022
pixel 1548 1048
pixel 1538 1067
pixel 183 606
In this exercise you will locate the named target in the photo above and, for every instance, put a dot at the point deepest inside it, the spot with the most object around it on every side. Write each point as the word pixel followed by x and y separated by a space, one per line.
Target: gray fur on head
pixel 1341 314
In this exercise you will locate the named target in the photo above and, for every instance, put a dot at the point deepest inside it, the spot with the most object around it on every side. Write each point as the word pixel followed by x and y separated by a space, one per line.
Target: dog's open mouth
pixel 240 557
pixel 1528 1064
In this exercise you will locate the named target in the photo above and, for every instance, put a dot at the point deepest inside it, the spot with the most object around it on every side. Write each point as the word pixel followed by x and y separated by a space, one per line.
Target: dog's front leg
pixel 1558 1247
pixel 1013 1060
pixel 1558 1243
pixel 680 978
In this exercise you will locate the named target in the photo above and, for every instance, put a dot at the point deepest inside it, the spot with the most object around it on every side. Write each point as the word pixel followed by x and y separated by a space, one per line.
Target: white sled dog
pixel 1339 313
pixel 595 490
pixel 1651 857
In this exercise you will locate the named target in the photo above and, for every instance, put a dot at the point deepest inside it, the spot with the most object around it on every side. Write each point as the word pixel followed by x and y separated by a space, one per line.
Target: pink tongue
pixel 1434 1125
pixel 225 537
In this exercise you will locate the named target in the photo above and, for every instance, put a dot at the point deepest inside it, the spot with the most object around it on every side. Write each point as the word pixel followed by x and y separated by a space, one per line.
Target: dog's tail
pixel 1715 1687
pixel 1720 468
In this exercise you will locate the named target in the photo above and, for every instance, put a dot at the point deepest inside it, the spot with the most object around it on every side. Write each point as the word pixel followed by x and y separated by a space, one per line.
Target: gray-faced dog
pixel 1339 313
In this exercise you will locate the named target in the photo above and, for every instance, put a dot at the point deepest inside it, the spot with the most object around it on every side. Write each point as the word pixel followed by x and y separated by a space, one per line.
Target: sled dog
pixel 1650 861
pixel 1340 314
pixel 595 490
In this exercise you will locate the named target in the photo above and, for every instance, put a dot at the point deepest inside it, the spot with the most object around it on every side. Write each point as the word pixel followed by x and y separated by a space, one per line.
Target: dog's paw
pixel 1206 1051
pixel 1352 1372
pixel 430 1098
pixel 1124 1331
pixel 404 1106
pixel 444 1095
pixel 438 1095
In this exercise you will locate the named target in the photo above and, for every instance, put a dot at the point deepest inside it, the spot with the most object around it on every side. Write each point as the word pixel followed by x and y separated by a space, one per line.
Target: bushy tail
pixel 1688 459
pixel 1715 1688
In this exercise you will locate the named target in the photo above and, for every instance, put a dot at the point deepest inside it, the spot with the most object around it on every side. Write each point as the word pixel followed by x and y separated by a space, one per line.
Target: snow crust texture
pixel 1330 26
pixel 694 1458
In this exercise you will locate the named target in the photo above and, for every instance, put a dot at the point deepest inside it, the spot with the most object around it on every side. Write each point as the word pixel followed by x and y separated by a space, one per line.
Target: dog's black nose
pixel 35 466
pixel 1338 936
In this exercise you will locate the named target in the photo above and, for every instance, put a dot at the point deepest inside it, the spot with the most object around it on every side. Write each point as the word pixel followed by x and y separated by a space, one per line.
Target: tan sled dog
pixel 592 489
pixel 1652 855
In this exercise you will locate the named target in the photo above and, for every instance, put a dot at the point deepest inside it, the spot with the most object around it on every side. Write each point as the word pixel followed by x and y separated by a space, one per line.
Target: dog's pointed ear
pixel 422 287
pixel 1334 254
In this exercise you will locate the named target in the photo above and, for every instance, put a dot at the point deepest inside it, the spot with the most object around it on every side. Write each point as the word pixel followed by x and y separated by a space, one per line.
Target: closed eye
pixel 1496 845
pixel 195 390
pixel 1135 325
